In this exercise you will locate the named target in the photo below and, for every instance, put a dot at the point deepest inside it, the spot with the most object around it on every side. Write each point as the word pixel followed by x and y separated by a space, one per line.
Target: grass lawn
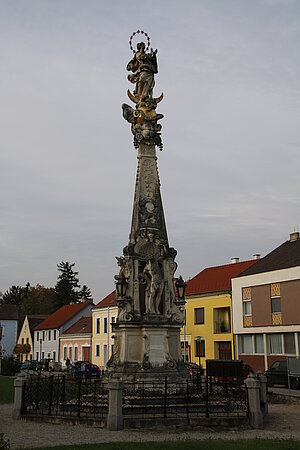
pixel 6 389
pixel 189 445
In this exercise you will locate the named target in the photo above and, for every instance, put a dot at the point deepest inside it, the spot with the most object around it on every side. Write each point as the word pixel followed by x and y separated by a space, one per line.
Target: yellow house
pixel 104 315
pixel 208 311
pixel 24 347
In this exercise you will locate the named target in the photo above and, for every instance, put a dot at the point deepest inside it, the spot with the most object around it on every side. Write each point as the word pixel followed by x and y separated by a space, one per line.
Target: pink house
pixel 76 342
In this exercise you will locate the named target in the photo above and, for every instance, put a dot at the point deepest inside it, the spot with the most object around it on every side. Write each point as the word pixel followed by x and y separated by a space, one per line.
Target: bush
pixel 9 366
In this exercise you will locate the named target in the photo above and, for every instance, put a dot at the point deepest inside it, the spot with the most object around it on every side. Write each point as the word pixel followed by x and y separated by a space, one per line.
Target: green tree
pixel 85 294
pixel 13 296
pixel 67 283
pixel 38 300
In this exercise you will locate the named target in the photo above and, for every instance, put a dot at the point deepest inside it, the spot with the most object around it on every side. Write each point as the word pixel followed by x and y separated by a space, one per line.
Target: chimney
pixel 235 260
pixel 294 236
pixel 256 256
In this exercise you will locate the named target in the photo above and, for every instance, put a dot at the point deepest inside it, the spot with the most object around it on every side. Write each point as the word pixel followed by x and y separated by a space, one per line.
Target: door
pixel 86 354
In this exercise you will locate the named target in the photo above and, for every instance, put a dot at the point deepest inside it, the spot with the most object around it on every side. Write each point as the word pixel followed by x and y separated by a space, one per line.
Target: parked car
pixel 85 369
pixel 278 373
pixel 48 365
pixel 55 366
pixel 29 365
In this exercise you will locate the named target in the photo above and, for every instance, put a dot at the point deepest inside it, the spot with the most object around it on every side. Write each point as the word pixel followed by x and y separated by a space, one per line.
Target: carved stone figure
pixel 144 66
pixel 154 287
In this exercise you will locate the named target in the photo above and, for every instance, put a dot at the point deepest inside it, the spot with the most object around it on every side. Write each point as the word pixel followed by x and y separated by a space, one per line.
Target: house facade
pixel 104 315
pixel 76 342
pixel 208 331
pixel 266 307
pixel 9 329
pixel 48 332
pixel 24 347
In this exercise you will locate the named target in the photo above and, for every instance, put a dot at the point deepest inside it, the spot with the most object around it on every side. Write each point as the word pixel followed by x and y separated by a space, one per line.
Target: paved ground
pixel 283 423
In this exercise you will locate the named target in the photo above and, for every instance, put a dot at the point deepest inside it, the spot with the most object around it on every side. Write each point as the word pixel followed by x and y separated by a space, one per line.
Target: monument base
pixel 148 352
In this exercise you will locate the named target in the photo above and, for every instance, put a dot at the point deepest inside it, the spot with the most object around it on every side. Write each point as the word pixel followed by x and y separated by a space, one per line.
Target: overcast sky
pixel 230 72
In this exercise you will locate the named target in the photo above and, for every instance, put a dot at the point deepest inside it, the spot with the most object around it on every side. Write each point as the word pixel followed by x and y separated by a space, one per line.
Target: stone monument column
pixel 147 330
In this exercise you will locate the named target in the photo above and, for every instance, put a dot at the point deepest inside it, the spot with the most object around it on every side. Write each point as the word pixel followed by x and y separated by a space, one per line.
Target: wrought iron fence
pixel 203 396
pixel 65 396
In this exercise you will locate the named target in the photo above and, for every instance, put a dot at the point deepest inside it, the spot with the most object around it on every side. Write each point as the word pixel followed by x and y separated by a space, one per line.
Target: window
pixel 65 353
pixel 70 353
pixel 289 343
pixel 222 321
pixel 43 335
pixel 112 349
pixel 113 320
pixel 247 310
pixel 258 343
pixel 54 335
pixel 246 344
pixel 105 325
pixel 199 316
pixel 37 356
pixel 275 305
pixel 275 344
pixel 37 336
pixel 246 294
pixel 98 326
pixel 275 298
pixel 49 335
pixel 27 340
pixel 43 355
pixel 54 355
pixel 97 350
pixel 22 341
pixel 75 353
pixel 199 348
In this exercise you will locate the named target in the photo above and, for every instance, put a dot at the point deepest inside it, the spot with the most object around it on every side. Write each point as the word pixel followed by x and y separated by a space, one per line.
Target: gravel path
pixel 283 423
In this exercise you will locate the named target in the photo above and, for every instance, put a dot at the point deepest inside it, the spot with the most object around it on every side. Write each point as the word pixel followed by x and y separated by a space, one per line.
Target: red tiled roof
pixel 83 326
pixel 109 300
pixel 59 317
pixel 216 279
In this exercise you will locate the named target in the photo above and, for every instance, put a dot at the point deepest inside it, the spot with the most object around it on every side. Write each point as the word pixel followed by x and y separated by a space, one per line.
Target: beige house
pixel 104 315
pixel 24 347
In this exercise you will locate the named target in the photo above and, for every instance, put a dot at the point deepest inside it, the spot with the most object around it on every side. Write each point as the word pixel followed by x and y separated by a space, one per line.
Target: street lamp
pixel 121 285
pixel 180 287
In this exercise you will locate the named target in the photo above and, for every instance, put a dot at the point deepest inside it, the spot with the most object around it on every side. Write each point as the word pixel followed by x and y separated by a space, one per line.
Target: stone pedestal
pixel 150 351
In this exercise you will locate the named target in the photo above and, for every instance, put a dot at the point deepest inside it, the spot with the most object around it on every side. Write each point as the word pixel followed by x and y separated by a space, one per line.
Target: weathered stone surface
pixel 147 334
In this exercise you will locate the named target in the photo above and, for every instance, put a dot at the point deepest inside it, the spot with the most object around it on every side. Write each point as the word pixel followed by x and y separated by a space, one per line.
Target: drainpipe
pixel 108 333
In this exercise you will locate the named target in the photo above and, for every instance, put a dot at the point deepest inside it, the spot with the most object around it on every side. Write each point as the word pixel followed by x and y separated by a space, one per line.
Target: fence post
pixel 115 411
pixel 187 401
pixel 206 396
pixel 263 392
pixel 50 394
pixel 79 396
pixel 19 385
pixel 165 397
pixel 255 413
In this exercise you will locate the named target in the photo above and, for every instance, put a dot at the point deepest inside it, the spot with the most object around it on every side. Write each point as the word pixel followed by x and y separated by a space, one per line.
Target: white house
pixel 48 332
